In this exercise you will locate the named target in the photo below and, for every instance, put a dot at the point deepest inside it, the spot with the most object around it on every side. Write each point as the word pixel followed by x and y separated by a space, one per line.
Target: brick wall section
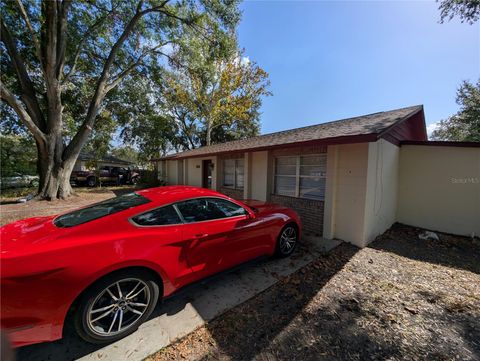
pixel 234 193
pixel 310 212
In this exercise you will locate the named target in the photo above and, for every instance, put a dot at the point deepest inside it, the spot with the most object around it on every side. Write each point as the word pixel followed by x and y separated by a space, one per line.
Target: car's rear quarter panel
pixel 39 288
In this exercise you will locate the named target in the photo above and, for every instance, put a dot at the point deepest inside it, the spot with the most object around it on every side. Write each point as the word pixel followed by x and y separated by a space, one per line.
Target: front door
pixel 207 166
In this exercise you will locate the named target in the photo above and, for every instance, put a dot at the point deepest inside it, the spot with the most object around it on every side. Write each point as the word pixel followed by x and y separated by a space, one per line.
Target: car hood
pixel 23 234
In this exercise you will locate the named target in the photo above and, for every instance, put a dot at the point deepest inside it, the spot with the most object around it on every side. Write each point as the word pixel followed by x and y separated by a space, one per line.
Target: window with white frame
pixel 301 176
pixel 233 173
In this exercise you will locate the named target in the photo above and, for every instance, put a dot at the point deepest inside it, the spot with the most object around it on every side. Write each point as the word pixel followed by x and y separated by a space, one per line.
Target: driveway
pixel 185 312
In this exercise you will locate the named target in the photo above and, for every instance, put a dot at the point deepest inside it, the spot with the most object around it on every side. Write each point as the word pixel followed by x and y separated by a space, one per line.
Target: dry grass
pixel 378 303
pixel 11 211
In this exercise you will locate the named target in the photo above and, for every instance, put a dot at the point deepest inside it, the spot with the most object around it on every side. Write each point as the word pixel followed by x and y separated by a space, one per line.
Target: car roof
pixel 169 194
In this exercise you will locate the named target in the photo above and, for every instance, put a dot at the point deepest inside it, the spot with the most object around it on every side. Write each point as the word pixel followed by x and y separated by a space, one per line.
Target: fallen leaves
pixel 375 303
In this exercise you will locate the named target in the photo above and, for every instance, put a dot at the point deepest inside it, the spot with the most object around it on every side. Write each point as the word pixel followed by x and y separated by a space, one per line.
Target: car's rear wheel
pixel 115 306
pixel 287 240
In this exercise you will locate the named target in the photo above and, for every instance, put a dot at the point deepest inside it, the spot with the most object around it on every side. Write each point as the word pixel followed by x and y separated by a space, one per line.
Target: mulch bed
pixel 402 298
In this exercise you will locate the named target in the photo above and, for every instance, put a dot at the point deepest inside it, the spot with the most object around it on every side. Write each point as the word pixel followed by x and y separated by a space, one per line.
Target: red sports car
pixel 105 266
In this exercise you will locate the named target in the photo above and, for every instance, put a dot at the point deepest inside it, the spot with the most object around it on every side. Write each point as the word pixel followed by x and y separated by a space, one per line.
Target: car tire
pixel 287 240
pixel 91 182
pixel 100 318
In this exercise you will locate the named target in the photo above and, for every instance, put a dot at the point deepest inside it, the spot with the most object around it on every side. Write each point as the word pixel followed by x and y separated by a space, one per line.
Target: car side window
pixel 205 209
pixel 158 217
pixel 229 209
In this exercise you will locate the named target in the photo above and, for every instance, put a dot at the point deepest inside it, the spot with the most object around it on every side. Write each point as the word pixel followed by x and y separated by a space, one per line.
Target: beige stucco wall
pixel 194 171
pixel 439 188
pixel 180 178
pixel 162 170
pixel 361 191
pixel 382 186
pixel 172 172
pixel 258 171
pixel 330 193
pixel 346 214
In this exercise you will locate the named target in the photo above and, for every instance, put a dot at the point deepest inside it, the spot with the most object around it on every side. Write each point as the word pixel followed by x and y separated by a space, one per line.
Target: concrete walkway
pixel 183 313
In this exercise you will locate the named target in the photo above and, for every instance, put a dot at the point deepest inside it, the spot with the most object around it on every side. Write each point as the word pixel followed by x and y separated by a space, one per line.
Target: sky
pixel 338 59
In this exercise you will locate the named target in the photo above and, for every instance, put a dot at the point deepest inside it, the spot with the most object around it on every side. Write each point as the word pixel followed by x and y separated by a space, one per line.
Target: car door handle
pixel 201 235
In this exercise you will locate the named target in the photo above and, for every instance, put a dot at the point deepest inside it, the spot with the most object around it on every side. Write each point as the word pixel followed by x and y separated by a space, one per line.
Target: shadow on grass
pixel 292 320
pixel 248 331
pixel 451 251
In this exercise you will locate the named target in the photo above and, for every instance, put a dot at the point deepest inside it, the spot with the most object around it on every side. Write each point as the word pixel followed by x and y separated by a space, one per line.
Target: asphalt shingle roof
pixel 363 125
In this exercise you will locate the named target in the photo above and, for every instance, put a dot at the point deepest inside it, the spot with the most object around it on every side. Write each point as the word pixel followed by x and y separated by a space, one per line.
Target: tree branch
pixel 101 89
pixel 118 78
pixel 33 34
pixel 10 99
pixel 26 85
pixel 62 10
pixel 80 138
pixel 50 14
pixel 88 33
pixel 185 128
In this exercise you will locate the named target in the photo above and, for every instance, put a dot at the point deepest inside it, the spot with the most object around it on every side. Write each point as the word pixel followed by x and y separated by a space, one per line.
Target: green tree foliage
pixel 465 125
pixel 127 153
pixel 214 93
pixel 99 142
pixel 206 95
pixel 62 61
pixel 142 120
pixel 224 98
pixel 17 155
pixel 467 10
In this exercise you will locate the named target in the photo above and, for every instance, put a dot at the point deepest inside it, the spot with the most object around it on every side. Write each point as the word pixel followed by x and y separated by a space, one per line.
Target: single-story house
pixel 348 179
pixel 84 161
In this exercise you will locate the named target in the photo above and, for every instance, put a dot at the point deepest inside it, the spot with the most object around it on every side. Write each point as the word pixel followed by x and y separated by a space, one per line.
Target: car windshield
pixel 102 209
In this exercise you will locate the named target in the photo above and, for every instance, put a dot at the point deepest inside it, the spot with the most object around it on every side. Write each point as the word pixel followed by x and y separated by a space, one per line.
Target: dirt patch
pixel 396 300
pixel 10 212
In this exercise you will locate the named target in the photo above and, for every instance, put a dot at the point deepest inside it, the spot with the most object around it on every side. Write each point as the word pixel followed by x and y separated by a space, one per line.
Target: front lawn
pixel 399 299
pixel 11 211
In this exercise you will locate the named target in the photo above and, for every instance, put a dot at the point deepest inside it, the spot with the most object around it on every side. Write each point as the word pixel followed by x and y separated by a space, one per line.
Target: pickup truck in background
pixel 106 175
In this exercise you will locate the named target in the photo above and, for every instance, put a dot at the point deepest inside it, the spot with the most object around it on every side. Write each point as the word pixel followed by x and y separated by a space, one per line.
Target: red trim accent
pixel 411 127
pixel 437 143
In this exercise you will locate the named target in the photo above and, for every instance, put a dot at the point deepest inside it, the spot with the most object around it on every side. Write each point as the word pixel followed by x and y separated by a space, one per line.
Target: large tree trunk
pixel 56 182
pixel 54 171
pixel 55 159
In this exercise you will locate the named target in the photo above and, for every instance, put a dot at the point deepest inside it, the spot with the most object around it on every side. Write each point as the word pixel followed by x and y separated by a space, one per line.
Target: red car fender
pixel 167 286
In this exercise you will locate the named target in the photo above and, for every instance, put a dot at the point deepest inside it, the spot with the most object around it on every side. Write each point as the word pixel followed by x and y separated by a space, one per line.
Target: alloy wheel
pixel 288 240
pixel 118 307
